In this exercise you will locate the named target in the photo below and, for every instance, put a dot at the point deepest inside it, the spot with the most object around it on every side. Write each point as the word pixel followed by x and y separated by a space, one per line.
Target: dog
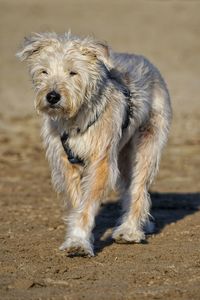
pixel 106 118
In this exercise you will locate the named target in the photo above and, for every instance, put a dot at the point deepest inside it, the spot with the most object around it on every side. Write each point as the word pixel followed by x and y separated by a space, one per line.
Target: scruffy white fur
pixel 92 82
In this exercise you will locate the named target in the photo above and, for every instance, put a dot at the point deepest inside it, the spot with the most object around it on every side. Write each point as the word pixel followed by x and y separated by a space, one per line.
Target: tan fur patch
pixel 98 188
pixel 73 181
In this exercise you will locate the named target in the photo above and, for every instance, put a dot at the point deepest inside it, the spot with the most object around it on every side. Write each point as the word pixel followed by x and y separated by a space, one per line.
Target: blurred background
pixel 168 34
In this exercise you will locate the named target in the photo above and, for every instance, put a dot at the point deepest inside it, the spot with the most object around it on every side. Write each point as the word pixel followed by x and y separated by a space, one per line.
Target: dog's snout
pixel 53 97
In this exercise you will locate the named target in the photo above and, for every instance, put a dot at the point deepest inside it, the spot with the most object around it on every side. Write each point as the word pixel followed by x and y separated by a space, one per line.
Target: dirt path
pixel 168 265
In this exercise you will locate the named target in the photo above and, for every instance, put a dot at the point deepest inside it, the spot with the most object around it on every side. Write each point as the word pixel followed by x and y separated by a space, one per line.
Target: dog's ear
pixel 98 50
pixel 33 44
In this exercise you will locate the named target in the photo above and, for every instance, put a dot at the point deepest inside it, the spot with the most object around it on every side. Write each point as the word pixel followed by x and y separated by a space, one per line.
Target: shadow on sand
pixel 166 209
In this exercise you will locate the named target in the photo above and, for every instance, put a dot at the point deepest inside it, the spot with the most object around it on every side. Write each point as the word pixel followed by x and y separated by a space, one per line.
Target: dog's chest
pixel 93 142
pixel 80 145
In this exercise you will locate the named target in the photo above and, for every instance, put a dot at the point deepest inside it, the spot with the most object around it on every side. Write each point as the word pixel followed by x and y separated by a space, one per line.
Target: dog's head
pixel 65 70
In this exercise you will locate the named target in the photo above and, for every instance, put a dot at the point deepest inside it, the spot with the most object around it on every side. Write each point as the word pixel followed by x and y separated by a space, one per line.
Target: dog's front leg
pixel 80 221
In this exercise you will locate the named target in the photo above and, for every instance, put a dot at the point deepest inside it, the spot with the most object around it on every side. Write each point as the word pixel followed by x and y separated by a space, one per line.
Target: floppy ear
pixel 34 44
pixel 98 50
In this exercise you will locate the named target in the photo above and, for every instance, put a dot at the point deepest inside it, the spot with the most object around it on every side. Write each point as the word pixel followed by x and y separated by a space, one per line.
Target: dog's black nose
pixel 53 97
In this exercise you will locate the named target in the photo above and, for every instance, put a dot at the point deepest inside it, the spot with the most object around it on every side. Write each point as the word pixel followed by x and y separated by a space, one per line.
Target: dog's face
pixel 64 70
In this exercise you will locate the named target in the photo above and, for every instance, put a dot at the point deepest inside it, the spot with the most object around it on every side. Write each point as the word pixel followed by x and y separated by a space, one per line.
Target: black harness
pixel 74 159
pixel 71 157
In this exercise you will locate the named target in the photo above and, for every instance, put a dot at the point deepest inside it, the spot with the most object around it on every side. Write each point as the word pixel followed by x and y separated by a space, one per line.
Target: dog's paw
pixel 75 247
pixel 124 234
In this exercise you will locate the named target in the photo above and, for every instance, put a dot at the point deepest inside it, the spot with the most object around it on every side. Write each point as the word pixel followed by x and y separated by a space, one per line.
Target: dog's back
pixel 137 72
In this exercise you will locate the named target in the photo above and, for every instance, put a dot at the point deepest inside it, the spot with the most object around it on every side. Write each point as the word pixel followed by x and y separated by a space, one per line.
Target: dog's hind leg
pixel 146 145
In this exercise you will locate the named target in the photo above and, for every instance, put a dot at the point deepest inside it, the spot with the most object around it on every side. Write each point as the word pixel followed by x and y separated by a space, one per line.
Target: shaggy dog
pixel 106 118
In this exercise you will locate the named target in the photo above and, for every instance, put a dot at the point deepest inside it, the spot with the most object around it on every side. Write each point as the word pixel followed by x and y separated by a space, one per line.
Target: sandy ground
pixel 168 265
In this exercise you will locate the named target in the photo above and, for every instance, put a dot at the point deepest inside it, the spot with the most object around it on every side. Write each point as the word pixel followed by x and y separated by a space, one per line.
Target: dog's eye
pixel 72 73
pixel 44 72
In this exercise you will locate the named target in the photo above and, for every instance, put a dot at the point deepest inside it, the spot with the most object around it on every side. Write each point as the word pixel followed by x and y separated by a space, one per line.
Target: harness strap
pixel 71 157
pixel 126 122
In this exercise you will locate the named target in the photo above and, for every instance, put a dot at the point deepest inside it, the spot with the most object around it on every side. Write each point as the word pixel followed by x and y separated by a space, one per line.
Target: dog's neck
pixel 88 116
pixel 89 113
pixel 93 109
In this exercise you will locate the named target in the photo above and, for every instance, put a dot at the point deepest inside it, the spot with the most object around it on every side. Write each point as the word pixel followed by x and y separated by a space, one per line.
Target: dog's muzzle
pixel 53 97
